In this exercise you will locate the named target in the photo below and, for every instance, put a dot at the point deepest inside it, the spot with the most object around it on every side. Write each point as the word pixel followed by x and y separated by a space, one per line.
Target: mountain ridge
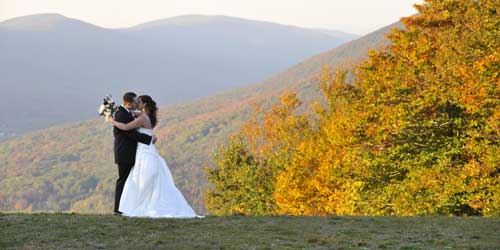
pixel 44 22
pixel 68 59
pixel 187 19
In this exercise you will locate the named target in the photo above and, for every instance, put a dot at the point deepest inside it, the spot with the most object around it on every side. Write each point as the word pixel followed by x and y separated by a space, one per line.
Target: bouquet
pixel 107 107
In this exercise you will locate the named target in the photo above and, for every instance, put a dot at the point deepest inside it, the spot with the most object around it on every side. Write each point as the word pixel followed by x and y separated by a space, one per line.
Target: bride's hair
pixel 151 108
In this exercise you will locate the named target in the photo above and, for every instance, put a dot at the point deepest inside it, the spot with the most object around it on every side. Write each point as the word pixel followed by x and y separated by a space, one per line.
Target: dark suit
pixel 125 147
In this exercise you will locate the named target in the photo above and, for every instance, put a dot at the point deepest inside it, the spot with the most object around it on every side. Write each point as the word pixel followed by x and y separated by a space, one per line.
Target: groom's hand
pixel 155 139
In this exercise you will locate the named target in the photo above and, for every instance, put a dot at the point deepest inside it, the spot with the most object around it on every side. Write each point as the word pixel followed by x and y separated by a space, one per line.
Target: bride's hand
pixel 136 113
pixel 109 119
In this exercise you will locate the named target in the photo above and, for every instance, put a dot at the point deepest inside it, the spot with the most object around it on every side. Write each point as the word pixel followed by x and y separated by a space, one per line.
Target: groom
pixel 125 144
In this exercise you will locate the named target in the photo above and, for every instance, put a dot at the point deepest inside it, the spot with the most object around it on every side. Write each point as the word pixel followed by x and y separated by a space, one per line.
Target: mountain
pixel 338 34
pixel 70 167
pixel 61 67
pixel 46 23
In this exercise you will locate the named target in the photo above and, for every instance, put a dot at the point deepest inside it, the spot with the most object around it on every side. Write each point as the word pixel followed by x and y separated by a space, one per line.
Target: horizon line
pixel 205 15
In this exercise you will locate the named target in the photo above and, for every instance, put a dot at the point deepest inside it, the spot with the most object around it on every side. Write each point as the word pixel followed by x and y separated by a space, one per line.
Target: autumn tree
pixel 416 132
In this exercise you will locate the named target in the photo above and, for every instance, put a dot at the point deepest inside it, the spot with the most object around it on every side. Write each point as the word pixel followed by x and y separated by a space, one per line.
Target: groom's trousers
pixel 123 172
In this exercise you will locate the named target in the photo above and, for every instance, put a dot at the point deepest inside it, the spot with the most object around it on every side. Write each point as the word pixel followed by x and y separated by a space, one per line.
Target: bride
pixel 150 190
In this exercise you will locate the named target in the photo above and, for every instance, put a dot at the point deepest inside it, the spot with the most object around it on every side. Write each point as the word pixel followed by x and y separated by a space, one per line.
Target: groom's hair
pixel 129 97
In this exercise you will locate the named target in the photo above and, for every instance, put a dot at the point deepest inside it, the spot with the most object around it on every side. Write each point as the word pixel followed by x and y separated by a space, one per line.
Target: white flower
pixel 101 109
pixel 108 107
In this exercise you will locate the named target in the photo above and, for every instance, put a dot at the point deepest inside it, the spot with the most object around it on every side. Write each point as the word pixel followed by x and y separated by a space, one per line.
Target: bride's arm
pixel 137 123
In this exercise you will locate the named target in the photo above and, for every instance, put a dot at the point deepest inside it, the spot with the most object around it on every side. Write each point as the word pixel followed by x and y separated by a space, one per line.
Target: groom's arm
pixel 132 134
pixel 139 137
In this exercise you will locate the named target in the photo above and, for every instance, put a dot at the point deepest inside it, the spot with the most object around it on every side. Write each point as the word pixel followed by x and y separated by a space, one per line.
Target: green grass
pixel 74 231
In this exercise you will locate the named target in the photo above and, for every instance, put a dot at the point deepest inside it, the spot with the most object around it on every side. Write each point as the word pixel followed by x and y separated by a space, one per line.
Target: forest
pixel 415 132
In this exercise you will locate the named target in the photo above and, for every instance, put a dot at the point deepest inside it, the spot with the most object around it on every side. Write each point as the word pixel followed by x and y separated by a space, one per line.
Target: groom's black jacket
pixel 125 144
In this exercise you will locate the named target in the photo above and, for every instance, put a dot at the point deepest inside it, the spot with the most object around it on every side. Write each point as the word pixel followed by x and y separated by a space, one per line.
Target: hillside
pixel 50 59
pixel 70 167
pixel 60 231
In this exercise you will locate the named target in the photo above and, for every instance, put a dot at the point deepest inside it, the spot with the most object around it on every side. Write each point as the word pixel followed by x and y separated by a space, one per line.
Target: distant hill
pixel 61 67
pixel 70 167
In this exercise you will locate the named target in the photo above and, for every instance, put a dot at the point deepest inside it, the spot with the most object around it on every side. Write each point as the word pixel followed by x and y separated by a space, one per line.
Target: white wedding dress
pixel 150 190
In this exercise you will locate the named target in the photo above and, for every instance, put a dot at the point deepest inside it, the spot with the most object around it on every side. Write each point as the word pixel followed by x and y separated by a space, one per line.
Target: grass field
pixel 73 231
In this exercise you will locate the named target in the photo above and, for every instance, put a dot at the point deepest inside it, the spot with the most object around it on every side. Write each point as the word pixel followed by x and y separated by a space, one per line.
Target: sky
pixel 354 16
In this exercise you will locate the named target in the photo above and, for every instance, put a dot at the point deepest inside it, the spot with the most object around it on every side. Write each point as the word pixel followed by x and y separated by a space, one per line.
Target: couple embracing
pixel 145 187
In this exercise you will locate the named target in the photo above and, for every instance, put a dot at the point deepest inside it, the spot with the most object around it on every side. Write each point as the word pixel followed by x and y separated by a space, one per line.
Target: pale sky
pixel 354 16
